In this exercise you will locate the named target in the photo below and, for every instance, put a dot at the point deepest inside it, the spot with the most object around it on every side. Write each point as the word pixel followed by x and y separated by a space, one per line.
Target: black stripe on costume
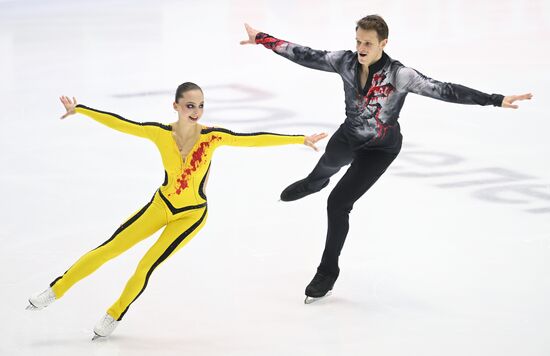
pixel 165 255
pixel 158 124
pixel 175 210
pixel 127 223
pixel 201 186
pixel 219 129
pixel 165 178
pixel 118 231
pixel 57 279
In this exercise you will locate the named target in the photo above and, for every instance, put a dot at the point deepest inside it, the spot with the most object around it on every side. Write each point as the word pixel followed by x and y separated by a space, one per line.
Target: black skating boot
pixel 319 287
pixel 300 189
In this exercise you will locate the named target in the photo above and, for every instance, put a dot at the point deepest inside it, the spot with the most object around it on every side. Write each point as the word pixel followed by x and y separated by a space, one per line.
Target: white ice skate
pixel 41 300
pixel 104 327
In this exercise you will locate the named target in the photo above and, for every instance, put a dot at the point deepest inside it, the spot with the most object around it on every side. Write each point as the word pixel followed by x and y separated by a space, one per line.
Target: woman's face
pixel 190 105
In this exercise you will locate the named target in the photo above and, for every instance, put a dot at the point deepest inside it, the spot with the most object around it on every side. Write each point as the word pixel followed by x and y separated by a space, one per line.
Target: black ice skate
pixel 300 189
pixel 319 287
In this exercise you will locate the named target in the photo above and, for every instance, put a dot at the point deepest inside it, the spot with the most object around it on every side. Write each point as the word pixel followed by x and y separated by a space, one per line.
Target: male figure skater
pixel 369 139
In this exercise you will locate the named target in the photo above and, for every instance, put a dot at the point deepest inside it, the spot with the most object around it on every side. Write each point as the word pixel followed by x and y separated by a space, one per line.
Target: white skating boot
pixel 104 327
pixel 41 300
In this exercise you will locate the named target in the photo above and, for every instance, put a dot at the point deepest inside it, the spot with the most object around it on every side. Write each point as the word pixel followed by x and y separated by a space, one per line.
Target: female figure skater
pixel 179 204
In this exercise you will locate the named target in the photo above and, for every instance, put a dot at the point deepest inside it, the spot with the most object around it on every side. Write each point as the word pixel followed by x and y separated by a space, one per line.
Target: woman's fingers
pixel 318 137
pixel 311 140
pixel 69 105
pixel 312 145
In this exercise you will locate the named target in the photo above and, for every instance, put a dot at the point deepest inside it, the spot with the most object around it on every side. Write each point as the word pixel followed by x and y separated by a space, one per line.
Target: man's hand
pixel 251 35
pixel 508 101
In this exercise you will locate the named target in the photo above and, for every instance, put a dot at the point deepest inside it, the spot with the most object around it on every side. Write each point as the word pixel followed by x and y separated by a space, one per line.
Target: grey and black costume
pixel 370 137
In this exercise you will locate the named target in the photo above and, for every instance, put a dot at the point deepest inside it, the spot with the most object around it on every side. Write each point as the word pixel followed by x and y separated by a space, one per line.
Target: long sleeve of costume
pixel 146 130
pixel 410 80
pixel 226 137
pixel 311 58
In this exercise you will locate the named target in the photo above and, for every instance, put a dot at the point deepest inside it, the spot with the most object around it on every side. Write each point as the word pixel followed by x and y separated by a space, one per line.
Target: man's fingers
pixel 513 98
pixel 509 105
pixel 526 96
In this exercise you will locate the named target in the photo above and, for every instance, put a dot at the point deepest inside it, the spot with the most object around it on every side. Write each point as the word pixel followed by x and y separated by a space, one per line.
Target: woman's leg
pixel 176 234
pixel 139 226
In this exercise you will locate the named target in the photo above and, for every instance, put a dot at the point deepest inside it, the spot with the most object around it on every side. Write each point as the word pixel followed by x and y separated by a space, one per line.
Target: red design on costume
pixel 269 41
pixel 377 92
pixel 196 159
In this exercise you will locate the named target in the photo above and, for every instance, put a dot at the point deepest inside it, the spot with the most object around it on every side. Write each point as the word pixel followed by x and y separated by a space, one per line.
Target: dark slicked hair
pixel 376 23
pixel 185 87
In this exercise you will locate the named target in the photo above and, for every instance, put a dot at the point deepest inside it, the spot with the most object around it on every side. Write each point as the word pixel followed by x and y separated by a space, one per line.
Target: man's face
pixel 369 49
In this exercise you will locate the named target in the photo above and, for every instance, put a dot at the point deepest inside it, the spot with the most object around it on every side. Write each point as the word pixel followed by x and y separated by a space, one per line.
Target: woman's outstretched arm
pixel 114 121
pixel 257 139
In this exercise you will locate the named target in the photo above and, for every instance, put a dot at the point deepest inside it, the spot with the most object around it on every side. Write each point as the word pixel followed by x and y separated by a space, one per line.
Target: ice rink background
pixel 447 254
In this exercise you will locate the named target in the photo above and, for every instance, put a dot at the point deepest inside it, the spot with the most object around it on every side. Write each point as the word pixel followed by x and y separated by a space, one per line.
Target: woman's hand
pixel 251 35
pixel 69 105
pixel 312 140
pixel 508 101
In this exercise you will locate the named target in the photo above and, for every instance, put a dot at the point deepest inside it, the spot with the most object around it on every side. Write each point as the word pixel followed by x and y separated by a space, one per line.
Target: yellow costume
pixel 179 204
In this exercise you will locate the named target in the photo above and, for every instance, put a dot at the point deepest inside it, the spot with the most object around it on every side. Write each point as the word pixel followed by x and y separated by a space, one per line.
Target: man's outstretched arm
pixel 311 58
pixel 412 81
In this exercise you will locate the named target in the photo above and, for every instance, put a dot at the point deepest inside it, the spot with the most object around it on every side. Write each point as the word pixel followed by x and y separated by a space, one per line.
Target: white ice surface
pixel 455 263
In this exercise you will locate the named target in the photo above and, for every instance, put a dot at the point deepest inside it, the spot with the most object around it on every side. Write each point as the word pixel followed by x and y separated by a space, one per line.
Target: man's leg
pixel 337 154
pixel 365 170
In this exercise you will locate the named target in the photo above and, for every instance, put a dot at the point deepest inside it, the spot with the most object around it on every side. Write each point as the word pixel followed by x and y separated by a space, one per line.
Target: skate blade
pixel 97 337
pixel 310 300
pixel 31 307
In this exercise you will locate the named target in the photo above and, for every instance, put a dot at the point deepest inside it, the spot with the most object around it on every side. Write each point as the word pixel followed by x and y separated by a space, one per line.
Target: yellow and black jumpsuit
pixel 179 204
